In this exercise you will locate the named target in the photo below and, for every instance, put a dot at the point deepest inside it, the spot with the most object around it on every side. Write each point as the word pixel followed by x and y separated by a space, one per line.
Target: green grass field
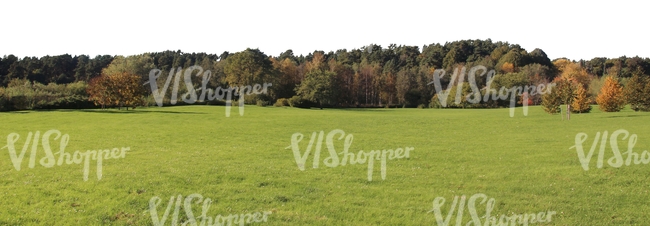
pixel 242 163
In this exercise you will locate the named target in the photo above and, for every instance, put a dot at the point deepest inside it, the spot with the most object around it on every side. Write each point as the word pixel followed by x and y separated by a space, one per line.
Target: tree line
pixel 370 76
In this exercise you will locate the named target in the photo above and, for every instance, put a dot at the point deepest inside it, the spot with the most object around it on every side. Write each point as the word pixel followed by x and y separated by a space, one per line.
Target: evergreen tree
pixel 636 94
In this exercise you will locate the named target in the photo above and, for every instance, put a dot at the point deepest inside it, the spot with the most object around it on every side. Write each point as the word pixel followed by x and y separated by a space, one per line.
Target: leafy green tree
pixel 342 83
pixel 596 66
pixel 535 69
pixel 5 65
pixel 498 52
pixel 432 55
pixel 317 87
pixel 636 93
pixel 452 58
pixel 551 101
pixel 386 85
pixel 451 98
pixel 403 85
pixel 248 67
pixel 538 56
pixel 139 65
pixel 80 71
pixel 289 77
pixel 508 81
pixel 513 57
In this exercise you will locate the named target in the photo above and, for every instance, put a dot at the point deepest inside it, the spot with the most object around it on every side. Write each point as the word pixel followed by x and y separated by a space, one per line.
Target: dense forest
pixel 370 76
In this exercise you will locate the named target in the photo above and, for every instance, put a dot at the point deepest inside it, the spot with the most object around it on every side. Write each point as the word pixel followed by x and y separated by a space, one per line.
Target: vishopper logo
pixel 346 157
pixel 203 219
pixel 475 96
pixel 617 160
pixel 191 97
pixel 488 219
pixel 49 160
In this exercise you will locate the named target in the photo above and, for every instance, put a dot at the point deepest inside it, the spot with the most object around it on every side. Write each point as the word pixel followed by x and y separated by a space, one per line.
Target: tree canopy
pixel 369 76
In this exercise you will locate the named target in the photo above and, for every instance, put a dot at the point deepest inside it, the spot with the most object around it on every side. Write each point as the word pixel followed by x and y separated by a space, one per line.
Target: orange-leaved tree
pixel 610 98
pixel 580 103
pixel 576 74
pixel 122 89
pixel 98 92
pixel 128 90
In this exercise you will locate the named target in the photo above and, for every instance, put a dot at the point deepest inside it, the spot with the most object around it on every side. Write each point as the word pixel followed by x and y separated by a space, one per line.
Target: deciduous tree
pixel 121 89
pixel 98 91
pixel 317 87
pixel 248 67
pixel 611 97
pixel 580 103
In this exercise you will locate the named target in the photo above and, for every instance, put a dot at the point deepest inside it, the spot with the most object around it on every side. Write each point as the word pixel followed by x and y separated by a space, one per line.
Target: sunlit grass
pixel 242 164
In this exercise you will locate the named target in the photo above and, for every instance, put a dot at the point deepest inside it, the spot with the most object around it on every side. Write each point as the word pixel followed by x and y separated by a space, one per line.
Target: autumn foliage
pixel 571 89
pixel 611 97
pixel 580 103
pixel 508 67
pixel 119 89
pixel 576 74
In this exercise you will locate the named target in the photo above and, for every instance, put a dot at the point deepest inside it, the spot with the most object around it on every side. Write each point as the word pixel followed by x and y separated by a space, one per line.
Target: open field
pixel 242 163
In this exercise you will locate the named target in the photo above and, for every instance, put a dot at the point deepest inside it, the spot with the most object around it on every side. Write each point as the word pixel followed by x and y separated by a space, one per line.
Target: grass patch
pixel 240 162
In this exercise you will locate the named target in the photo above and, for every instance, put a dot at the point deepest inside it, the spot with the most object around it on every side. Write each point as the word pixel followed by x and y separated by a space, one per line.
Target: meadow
pixel 244 164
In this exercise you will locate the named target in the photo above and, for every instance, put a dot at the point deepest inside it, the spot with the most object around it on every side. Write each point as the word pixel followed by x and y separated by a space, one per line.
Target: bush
pixel 295 101
pixel 299 102
pixel 435 102
pixel 254 98
pixel 25 95
pixel 413 98
pixel 262 103
pixel 282 102
pixel 216 102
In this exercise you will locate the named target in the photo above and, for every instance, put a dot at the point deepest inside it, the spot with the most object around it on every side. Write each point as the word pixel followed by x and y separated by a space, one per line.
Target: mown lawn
pixel 244 165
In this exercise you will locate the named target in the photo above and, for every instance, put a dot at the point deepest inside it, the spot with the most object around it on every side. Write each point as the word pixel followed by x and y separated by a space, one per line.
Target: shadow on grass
pixel 15 112
pixel 359 109
pixel 112 111
pixel 626 116
pixel 139 112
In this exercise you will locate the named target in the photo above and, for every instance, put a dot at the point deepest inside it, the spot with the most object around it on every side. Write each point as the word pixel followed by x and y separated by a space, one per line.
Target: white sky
pixel 576 29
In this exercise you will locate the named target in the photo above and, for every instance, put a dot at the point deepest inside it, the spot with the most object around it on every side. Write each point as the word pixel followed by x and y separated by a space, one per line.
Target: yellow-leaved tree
pixel 580 103
pixel 576 74
pixel 610 98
